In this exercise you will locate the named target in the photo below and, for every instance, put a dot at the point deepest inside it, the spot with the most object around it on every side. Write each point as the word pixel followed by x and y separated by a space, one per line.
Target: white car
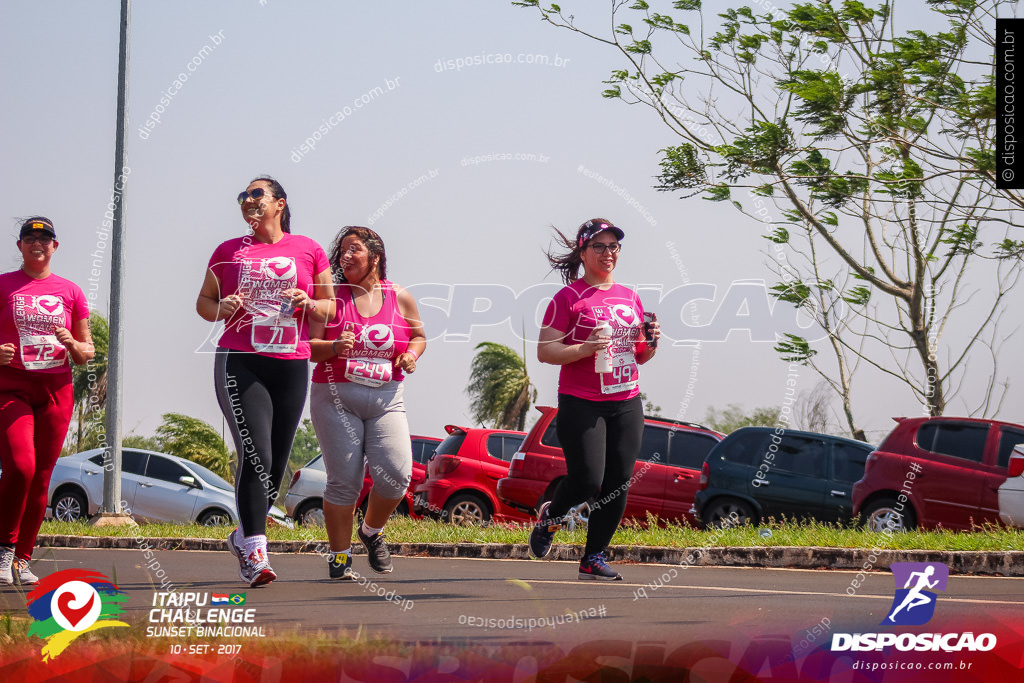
pixel 1011 493
pixel 155 487
pixel 304 501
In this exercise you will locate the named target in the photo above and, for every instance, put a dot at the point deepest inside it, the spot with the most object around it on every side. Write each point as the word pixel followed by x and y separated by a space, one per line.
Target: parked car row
pixel 930 472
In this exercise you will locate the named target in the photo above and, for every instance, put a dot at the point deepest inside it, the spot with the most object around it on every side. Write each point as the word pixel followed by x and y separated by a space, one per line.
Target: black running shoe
pixel 543 533
pixel 376 551
pixel 595 568
pixel 339 566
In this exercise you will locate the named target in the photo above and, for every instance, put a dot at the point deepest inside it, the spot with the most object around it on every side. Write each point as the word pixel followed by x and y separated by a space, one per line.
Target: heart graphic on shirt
pixel 279 268
pixel 624 315
pixel 49 304
pixel 378 337
pixel 76 606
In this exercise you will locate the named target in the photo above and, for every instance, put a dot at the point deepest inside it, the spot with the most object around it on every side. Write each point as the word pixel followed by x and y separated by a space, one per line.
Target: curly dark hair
pixel 370 239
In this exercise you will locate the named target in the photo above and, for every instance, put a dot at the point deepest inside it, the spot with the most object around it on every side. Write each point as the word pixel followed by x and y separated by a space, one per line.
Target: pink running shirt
pixel 32 309
pixel 258 273
pixel 380 339
pixel 576 311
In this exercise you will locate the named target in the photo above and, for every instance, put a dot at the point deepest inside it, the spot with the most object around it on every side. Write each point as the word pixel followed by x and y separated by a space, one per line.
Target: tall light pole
pixel 112 512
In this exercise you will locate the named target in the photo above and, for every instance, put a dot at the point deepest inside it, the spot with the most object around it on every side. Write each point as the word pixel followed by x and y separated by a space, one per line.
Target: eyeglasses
pixel 255 193
pixel 37 239
pixel 599 247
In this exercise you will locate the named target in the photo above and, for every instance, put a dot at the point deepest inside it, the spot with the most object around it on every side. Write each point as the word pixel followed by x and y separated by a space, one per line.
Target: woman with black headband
pixel 44 324
pixel 594 329
pixel 266 287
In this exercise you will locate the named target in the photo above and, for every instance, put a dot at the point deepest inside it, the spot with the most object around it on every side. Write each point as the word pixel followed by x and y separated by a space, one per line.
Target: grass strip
pixel 774 533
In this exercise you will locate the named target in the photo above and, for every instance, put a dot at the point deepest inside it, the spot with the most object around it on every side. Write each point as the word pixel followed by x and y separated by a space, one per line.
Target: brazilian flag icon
pixel 237 599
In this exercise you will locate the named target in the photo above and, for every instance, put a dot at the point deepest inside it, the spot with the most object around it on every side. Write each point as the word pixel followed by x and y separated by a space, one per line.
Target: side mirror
pixel 189 481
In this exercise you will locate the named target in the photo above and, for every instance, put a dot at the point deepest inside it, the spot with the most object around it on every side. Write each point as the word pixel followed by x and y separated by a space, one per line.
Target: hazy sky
pixel 463 169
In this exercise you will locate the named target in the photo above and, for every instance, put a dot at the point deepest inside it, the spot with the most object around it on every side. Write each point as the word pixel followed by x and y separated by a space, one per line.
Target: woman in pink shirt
pixel 356 402
pixel 594 329
pixel 44 324
pixel 266 287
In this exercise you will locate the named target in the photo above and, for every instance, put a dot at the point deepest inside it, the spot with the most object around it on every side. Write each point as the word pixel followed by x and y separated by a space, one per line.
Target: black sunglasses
pixel 256 193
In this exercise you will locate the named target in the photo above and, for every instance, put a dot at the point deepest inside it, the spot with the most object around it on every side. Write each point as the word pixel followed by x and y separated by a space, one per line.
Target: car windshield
pixel 210 477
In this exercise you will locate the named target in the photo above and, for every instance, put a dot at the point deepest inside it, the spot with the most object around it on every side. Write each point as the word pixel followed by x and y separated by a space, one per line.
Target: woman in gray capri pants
pixel 356 402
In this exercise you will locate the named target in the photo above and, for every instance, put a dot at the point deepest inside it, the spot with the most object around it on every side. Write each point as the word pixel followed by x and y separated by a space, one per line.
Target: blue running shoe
pixel 595 568
pixel 543 533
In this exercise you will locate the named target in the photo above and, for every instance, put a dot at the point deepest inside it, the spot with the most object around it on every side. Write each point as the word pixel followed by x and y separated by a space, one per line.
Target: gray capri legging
pixel 358 425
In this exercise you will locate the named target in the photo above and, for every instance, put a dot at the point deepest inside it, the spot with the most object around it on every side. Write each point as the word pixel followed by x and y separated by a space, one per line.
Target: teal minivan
pixel 761 472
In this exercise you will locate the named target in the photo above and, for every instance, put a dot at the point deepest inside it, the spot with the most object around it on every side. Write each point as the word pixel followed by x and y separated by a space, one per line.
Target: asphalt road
pixel 503 601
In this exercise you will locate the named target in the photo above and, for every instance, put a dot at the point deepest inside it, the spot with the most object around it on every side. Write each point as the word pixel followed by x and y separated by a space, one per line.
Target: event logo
pixel 71 602
pixel 625 315
pixel 49 304
pixel 279 268
pixel 912 604
pixel 377 337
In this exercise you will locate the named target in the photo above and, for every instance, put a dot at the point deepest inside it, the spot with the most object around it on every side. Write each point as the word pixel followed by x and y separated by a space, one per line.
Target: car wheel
pixel 214 517
pixel 311 514
pixel 728 512
pixel 883 514
pixel 467 509
pixel 70 505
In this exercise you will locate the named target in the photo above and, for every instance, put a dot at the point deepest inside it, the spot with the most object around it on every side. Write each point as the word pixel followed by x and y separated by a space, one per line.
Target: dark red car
pixel 665 477
pixel 936 472
pixel 462 476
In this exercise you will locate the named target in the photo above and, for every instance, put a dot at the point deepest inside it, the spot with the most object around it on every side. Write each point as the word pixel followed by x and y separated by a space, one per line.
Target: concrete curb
pixel 998 563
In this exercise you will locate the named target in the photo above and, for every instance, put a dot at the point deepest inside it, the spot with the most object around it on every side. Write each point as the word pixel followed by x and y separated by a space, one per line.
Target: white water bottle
pixel 603 358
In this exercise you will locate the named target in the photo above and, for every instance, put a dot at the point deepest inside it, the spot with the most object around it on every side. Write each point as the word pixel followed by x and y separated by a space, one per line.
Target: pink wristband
pixel 415 355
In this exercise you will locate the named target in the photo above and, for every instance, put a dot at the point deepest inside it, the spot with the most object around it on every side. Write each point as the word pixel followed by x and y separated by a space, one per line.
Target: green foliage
pixel 681 168
pixel 500 387
pixel 191 438
pixel 650 410
pixel 305 447
pixel 733 416
pixel 795 349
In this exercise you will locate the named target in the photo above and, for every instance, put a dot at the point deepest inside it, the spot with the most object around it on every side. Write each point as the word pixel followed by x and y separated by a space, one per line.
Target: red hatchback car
pixel 665 477
pixel 936 472
pixel 462 475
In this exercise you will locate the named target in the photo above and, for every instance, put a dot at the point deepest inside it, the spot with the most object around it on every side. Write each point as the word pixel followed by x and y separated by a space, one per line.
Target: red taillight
pixel 705 471
pixel 446 464
pixel 1016 466
pixel 295 478
pixel 516 466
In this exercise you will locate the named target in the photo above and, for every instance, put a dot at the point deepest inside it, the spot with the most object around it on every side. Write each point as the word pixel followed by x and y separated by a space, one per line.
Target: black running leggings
pixel 601 441
pixel 262 400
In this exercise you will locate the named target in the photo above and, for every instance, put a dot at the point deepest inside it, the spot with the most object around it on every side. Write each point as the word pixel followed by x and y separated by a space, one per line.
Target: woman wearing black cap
pixel 593 329
pixel 44 322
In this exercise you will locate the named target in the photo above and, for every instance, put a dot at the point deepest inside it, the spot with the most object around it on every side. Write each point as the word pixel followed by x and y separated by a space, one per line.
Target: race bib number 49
pixel 624 375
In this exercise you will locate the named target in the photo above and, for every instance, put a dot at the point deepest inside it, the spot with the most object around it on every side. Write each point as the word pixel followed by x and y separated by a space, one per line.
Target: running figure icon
pixel 915 597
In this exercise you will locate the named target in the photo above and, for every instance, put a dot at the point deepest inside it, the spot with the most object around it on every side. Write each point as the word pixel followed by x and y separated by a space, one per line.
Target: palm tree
pixel 89 383
pixel 500 387
pixel 195 440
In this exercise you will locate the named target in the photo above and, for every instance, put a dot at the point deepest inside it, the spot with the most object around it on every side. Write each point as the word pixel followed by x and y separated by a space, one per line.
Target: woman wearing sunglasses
pixel 267 287
pixel 593 329
pixel 357 401
pixel 44 322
